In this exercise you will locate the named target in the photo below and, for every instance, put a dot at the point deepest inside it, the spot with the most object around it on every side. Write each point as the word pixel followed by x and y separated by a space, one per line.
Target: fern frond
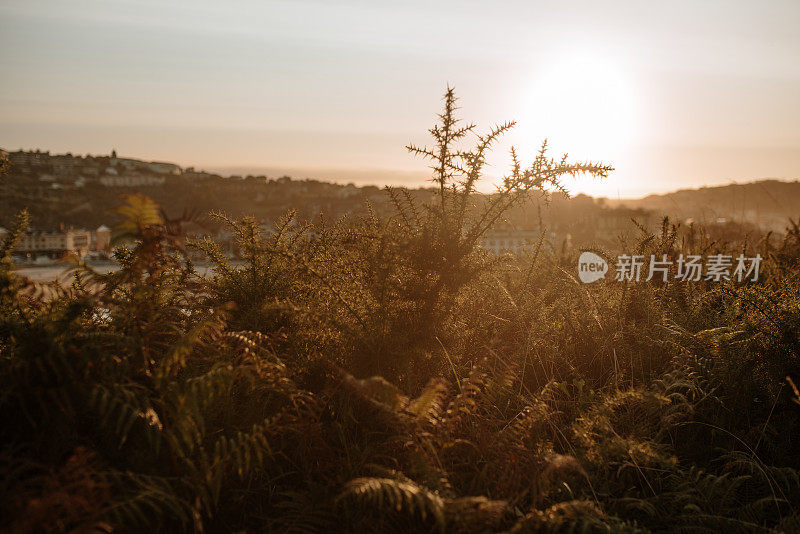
pixel 388 495
pixel 428 406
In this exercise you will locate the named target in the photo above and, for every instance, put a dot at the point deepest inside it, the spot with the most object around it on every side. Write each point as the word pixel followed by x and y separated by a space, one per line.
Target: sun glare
pixel 584 104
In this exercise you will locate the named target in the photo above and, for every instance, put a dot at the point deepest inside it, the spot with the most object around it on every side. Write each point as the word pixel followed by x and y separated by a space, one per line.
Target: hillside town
pixel 66 171
pixel 71 199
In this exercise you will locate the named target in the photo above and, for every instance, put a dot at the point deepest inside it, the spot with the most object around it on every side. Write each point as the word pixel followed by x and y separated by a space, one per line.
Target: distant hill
pixel 81 191
pixel 767 203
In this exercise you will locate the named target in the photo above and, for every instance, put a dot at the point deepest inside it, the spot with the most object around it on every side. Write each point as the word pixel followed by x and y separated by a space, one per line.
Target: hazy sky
pixel 674 94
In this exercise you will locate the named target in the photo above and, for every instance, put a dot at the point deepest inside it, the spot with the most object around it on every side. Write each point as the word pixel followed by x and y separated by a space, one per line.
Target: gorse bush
pixel 387 375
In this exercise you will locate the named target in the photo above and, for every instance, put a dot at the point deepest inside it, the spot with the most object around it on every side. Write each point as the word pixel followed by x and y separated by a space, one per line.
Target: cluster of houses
pixel 67 170
pixel 579 221
pixel 44 246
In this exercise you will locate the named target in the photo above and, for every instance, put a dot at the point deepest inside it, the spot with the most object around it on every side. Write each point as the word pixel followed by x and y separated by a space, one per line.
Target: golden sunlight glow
pixel 585 105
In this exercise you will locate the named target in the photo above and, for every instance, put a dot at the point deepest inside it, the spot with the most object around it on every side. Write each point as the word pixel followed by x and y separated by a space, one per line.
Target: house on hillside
pixel 502 240
pixel 55 243
pixel 163 168
pixel 131 180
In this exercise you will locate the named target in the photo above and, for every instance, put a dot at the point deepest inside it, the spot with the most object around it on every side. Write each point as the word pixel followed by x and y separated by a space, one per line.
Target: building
pixel 101 239
pixel 163 168
pixel 56 243
pixel 157 167
pixel 508 240
pixel 131 180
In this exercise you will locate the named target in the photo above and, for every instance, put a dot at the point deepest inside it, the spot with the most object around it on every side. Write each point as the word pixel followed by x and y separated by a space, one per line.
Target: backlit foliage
pixel 387 375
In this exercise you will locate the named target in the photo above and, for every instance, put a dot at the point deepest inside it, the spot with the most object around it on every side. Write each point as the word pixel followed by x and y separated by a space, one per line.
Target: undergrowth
pixel 387 375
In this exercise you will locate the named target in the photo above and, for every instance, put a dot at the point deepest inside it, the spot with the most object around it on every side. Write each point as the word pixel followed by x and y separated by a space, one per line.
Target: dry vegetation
pixel 387 375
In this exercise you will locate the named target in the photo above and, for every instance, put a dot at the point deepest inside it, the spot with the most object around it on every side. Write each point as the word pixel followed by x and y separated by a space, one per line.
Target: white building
pixel 501 241
pixel 58 242
pixel 163 168
pixel 55 243
pixel 131 180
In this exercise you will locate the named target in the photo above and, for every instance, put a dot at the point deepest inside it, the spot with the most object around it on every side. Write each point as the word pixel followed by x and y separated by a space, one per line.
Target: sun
pixel 584 104
pixel 581 103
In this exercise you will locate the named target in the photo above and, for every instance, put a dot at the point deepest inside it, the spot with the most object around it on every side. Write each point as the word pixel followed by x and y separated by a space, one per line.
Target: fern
pixel 392 496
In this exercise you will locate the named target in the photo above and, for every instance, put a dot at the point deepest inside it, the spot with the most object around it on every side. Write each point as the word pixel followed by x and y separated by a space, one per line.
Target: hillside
pixel 766 203
pixel 82 191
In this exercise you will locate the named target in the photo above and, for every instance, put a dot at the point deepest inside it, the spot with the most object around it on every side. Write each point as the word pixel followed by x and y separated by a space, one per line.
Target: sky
pixel 672 94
